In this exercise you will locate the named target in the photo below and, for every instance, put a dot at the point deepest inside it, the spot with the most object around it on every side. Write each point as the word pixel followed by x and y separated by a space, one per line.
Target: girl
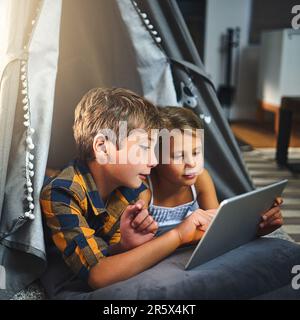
pixel 180 185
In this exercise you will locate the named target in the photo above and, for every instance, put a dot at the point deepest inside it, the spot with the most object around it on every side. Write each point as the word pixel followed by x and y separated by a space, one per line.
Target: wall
pixel 269 75
pixel 2 19
pixel 221 15
pixel 279 67
pixel 290 84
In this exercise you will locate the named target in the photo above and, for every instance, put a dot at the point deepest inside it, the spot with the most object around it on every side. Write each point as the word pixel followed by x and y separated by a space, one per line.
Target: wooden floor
pixel 262 135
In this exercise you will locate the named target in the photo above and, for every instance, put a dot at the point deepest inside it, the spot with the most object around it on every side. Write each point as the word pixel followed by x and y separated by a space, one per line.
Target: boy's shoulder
pixel 68 179
pixel 71 179
pixel 131 195
pixel 146 196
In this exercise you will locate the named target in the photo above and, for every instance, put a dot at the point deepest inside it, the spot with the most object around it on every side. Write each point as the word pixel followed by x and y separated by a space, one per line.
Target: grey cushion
pixel 253 270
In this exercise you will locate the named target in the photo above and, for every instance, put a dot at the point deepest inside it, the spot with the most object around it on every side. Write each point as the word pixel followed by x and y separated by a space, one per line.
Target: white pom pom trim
pixel 29 166
pixel 147 22
pixel 29 142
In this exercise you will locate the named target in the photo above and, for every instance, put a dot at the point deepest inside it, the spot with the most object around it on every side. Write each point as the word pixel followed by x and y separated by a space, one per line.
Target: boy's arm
pixel 125 265
pixel 137 226
pixel 206 192
pixel 115 246
pixel 64 213
pixel 86 254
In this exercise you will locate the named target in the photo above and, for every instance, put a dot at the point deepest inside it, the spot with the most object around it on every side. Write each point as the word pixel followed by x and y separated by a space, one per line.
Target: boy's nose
pixel 153 162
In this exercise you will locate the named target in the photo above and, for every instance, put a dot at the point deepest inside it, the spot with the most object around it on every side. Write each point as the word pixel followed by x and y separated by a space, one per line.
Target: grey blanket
pixel 261 268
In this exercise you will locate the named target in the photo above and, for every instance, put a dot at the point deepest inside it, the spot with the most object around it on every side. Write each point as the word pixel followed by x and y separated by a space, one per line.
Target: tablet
pixel 235 223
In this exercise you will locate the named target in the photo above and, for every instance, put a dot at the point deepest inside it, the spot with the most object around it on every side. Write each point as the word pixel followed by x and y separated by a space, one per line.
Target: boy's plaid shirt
pixel 82 226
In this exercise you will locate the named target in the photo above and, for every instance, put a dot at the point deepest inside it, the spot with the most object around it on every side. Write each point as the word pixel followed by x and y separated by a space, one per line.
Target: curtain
pixel 195 90
pixel 142 46
pixel 96 48
pixel 28 59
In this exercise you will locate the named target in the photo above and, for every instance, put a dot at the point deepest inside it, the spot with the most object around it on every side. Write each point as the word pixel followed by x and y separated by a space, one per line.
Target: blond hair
pixel 104 108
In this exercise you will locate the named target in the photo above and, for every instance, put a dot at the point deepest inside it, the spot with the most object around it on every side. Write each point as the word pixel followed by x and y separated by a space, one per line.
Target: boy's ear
pixel 104 150
pixel 99 143
pixel 100 148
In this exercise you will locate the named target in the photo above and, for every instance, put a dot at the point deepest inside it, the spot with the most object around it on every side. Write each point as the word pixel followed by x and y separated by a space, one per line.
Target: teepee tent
pixel 51 53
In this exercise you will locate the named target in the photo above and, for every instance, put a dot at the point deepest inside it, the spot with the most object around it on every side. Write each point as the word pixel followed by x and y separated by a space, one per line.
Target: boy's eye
pixel 144 147
pixel 178 156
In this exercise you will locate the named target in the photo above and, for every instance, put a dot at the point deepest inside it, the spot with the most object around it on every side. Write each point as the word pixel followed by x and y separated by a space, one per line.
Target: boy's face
pixel 134 159
pixel 186 160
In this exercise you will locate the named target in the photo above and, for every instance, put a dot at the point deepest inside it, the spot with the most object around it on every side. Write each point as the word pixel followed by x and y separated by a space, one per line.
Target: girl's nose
pixel 190 162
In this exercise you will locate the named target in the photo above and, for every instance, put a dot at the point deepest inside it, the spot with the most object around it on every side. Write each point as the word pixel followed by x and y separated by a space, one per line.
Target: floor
pixel 262 135
pixel 263 170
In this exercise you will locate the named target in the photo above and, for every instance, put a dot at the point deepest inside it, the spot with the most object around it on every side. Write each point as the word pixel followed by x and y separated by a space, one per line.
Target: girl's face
pixel 185 161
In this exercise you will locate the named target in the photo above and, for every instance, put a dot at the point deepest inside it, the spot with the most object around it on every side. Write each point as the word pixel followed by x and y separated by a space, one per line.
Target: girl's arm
pixel 206 192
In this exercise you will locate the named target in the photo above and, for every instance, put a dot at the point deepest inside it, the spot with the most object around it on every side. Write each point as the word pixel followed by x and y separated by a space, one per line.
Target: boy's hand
pixel 193 227
pixel 272 219
pixel 136 226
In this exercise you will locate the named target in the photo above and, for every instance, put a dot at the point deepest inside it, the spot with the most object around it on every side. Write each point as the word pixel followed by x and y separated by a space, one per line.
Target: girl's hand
pixel 193 227
pixel 272 219
pixel 201 230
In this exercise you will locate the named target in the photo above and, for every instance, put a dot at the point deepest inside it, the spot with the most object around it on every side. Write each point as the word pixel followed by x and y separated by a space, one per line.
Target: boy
pixel 102 234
